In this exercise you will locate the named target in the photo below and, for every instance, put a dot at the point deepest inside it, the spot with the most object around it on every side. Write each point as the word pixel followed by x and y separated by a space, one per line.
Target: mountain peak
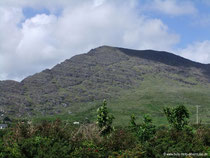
pixel 103 72
pixel 152 55
pixel 103 48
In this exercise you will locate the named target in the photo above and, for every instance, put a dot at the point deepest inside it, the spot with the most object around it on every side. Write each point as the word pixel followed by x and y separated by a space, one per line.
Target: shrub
pixel 57 139
pixel 89 132
pixel 144 131
pixel 137 151
pixel 43 140
pixel 45 147
pixel 173 141
pixel 177 117
pixel 204 134
pixel 104 120
pixel 120 139
pixel 88 149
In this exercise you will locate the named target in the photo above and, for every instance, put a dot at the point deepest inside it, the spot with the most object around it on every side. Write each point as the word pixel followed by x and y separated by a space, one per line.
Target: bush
pixel 45 147
pixel 177 117
pixel 104 120
pixel 144 131
pixel 88 149
pixel 173 141
pixel 204 134
pixel 56 139
pixel 120 139
pixel 43 140
pixel 137 151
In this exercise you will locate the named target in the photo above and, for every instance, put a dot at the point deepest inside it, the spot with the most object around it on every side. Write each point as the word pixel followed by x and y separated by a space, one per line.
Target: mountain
pixel 136 79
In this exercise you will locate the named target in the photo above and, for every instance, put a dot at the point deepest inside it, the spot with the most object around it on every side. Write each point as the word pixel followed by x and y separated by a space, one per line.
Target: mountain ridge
pixel 132 52
pixel 103 72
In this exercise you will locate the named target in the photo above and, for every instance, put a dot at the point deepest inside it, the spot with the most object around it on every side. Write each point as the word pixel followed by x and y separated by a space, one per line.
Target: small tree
pixel 104 120
pixel 177 117
pixel 144 131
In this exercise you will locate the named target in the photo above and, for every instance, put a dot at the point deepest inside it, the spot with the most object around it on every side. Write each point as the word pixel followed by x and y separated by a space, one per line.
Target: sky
pixel 38 34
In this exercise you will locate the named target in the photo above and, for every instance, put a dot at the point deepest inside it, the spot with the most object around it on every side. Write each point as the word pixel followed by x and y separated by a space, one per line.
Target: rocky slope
pixel 104 72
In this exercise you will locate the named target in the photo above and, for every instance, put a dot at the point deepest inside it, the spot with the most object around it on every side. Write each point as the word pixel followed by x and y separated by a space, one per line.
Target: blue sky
pixel 37 34
pixel 191 27
pixel 30 12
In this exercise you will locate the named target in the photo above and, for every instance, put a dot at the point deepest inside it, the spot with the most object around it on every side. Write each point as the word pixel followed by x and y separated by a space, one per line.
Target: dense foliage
pixel 177 117
pixel 144 131
pixel 104 120
pixel 63 139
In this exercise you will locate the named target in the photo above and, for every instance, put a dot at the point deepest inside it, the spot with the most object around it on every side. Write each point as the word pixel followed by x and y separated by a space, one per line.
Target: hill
pixel 133 81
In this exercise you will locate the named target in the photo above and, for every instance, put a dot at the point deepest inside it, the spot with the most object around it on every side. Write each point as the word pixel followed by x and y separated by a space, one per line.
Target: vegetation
pixel 62 139
pixel 144 131
pixel 177 117
pixel 136 83
pixel 104 120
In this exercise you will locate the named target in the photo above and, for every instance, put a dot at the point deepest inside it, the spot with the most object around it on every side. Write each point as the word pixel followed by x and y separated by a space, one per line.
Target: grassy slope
pixel 151 96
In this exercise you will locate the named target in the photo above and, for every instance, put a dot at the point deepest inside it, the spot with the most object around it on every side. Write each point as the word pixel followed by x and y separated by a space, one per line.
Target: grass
pixel 149 97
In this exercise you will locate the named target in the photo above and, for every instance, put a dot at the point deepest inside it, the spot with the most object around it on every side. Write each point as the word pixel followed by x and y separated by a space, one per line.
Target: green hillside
pixel 132 81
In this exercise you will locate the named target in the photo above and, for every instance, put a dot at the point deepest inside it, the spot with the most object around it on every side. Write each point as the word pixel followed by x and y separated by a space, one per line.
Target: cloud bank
pixel 198 51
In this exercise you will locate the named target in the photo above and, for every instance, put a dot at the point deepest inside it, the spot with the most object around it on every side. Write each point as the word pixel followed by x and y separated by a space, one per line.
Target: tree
pixel 177 117
pixel 104 120
pixel 144 131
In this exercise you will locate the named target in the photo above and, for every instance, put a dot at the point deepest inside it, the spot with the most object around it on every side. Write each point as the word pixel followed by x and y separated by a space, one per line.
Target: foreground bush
pixel 177 116
pixel 104 120
pixel 44 140
pixel 57 139
pixel 173 141
pixel 144 131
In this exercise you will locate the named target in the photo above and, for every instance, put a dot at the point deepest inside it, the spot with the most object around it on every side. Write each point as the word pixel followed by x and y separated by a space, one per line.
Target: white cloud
pixel 198 51
pixel 150 34
pixel 37 42
pixel 10 35
pixel 172 7
pixel 44 40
